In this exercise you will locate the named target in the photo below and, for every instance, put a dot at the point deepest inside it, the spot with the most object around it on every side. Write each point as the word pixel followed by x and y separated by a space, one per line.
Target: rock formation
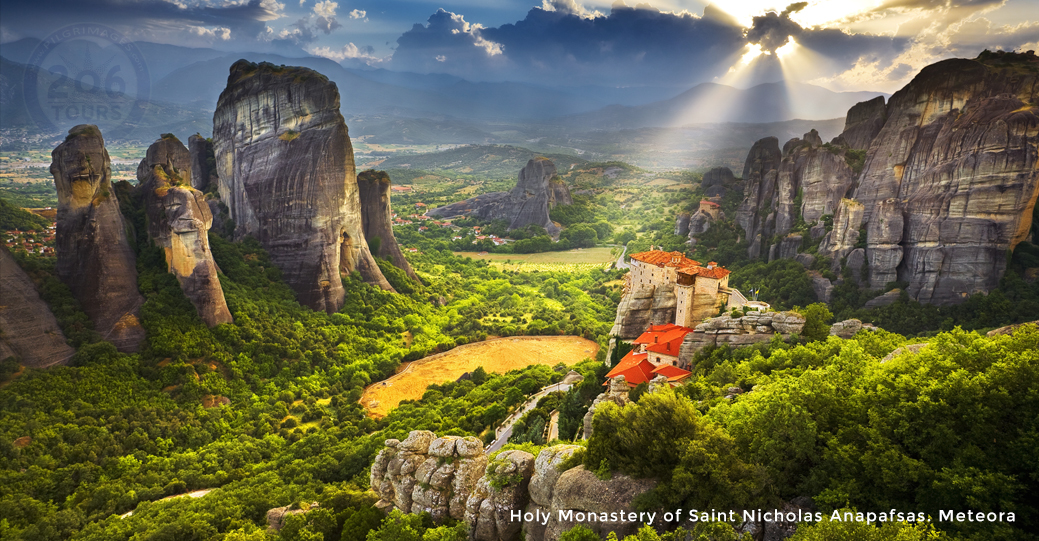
pixel 846 329
pixel 286 170
pixel 201 173
pixel 642 307
pixel 28 330
pixel 377 219
pixel 806 183
pixel 424 473
pixel 947 188
pixel 950 182
pixel 863 123
pixel 751 328
pixel 94 257
pixel 179 220
pixel 617 392
pixel 537 191
pixel 714 181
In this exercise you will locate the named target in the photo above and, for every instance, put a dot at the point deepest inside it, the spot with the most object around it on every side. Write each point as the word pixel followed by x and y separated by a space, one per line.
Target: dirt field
pixel 599 254
pixel 498 355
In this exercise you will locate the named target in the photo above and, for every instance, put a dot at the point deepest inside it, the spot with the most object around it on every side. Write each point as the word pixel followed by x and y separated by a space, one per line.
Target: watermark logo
pixel 87 74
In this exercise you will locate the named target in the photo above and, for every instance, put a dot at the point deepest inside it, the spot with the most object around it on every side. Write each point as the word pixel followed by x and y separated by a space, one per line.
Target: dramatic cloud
pixel 773 30
pixel 349 54
pixel 561 42
pixel 446 38
pixel 325 16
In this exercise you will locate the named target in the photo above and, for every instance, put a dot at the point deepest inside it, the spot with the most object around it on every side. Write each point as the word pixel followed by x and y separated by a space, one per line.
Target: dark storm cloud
pixel 116 12
pixel 627 46
pixel 773 30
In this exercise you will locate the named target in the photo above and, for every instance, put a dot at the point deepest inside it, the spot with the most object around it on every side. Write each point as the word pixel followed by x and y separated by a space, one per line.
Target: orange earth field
pixel 498 355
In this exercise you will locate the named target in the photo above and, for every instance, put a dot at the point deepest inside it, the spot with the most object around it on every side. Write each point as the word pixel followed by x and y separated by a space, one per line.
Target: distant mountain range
pixel 398 107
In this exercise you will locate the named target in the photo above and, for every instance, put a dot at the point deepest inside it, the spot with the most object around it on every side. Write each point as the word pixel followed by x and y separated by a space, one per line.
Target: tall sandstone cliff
pixel 538 190
pixel 947 188
pixel 286 170
pixel 94 257
pixel 30 333
pixel 179 220
pixel 377 219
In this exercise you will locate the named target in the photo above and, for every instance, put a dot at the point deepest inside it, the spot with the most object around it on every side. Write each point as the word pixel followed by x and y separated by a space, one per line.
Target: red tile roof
pixel 671 372
pixel 634 367
pixel 716 273
pixel 664 259
pixel 668 343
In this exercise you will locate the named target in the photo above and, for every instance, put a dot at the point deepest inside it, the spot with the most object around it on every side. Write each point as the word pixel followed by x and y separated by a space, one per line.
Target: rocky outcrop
pixel 616 392
pixel 377 219
pixel 846 329
pixel 950 182
pixel 642 307
pixel 808 182
pixel 1010 329
pixel 28 330
pixel 201 172
pixel 286 170
pixel 276 517
pixel 821 286
pixel 863 123
pixel 178 221
pixel 537 191
pixel 682 224
pixel 716 181
pixel 94 257
pixel 438 473
pixel 751 328
pixel 425 473
pixel 503 490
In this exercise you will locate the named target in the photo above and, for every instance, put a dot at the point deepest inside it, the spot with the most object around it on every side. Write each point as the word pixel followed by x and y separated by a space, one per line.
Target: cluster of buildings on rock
pixel 667 295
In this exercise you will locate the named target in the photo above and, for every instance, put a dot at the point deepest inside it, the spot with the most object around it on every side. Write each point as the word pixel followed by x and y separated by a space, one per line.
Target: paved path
pixel 195 494
pixel 504 431
pixel 553 426
pixel 620 260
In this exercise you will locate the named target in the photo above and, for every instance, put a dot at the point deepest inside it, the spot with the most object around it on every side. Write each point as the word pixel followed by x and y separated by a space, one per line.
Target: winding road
pixel 505 430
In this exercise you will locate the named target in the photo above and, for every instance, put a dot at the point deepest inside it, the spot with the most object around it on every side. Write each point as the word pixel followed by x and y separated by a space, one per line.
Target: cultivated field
pixel 579 260
pixel 498 355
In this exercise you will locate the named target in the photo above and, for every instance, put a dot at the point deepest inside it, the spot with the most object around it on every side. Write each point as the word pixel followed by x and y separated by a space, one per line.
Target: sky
pixel 843 45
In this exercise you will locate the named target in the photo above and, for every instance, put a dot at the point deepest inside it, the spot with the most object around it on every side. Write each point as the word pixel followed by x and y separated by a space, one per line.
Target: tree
pixel 817 321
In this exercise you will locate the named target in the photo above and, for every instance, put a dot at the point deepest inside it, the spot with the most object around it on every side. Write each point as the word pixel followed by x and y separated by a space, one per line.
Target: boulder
pixel 887 298
pixel 846 329
pixel 909 348
pixel 580 490
pixel 821 286
pixel 788 322
pixel 94 258
pixel 682 224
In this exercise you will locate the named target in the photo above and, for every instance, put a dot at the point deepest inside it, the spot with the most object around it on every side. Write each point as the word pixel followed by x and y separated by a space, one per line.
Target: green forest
pixel 96 449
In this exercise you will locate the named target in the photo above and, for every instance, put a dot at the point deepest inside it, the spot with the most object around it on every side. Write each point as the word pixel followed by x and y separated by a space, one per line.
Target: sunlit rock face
pixel 179 220
pixel 950 182
pixel 286 170
pixel 863 123
pixel 95 259
pixel 538 190
pixel 377 219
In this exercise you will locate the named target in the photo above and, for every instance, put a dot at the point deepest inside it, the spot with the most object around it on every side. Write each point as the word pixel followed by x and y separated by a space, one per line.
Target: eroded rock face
pixel 715 180
pixel 580 490
pixel 377 219
pixel 200 171
pixel 537 191
pixel 759 177
pixel 425 473
pixel 502 490
pixel 287 176
pixel 751 328
pixel 642 307
pixel 950 181
pixel 179 220
pixel 863 123
pixel 31 333
pixel 846 329
pixel 94 257
pixel 617 393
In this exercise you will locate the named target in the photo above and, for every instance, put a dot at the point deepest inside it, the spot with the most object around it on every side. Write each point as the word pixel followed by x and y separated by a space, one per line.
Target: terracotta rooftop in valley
pixel 634 367
pixel 672 373
pixel 668 343
pixel 665 259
